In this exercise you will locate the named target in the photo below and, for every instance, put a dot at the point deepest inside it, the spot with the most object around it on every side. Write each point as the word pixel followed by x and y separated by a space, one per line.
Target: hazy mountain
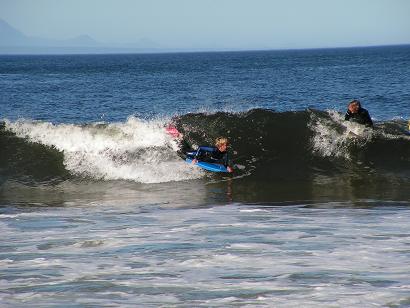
pixel 82 40
pixel 13 41
pixel 147 43
pixel 10 36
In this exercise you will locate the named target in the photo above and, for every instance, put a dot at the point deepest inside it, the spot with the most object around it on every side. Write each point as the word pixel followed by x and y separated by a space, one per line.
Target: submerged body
pixel 355 113
pixel 361 117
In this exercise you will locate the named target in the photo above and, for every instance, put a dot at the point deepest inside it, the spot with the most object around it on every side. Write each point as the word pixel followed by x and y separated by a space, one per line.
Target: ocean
pixel 98 209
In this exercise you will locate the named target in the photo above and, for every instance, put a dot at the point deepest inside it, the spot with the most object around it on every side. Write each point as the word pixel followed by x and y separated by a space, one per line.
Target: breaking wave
pixel 264 144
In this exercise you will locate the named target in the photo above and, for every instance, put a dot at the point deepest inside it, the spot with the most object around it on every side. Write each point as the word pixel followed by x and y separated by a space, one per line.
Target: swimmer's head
pixel 354 106
pixel 221 143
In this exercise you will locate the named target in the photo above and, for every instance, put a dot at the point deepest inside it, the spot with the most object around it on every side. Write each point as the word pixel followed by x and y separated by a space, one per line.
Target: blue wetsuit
pixel 211 155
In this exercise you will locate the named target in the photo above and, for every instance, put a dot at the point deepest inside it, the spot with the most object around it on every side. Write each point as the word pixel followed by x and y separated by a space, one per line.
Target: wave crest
pixel 265 145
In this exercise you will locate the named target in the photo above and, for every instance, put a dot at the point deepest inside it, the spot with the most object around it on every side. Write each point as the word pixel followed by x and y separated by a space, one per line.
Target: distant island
pixel 13 41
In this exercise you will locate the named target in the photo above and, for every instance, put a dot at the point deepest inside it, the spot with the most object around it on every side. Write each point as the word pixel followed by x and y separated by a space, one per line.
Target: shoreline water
pixel 329 254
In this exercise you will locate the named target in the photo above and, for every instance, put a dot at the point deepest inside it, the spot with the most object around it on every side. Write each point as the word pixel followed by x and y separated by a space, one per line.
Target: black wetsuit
pixel 212 155
pixel 361 117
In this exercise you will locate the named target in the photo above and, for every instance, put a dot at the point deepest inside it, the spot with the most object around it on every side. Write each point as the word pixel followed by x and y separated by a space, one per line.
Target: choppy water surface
pixel 97 208
pixel 329 255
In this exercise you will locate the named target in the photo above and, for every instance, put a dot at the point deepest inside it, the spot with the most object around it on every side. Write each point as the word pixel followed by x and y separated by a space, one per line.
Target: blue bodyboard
pixel 208 166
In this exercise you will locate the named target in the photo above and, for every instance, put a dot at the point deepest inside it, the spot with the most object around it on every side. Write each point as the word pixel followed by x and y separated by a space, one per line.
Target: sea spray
pixel 137 149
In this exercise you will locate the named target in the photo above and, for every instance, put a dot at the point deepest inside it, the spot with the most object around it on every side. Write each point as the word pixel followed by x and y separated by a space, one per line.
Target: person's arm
pixel 347 115
pixel 368 119
pixel 227 162
pixel 201 152
pixel 197 155
pixel 225 159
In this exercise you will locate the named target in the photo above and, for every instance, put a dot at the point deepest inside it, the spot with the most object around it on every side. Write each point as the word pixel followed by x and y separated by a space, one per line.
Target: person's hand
pixel 230 170
pixel 194 161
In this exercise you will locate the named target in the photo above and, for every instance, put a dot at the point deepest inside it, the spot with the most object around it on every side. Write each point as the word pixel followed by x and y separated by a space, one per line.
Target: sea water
pixel 329 255
pixel 98 209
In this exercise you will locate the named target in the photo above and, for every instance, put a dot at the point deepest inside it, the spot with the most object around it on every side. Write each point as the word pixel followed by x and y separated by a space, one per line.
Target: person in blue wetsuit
pixel 355 113
pixel 217 154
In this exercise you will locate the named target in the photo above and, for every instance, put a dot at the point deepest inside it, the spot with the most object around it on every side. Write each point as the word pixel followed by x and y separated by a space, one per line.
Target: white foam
pixel 253 210
pixel 8 216
pixel 136 150
pixel 327 141
pixel 300 257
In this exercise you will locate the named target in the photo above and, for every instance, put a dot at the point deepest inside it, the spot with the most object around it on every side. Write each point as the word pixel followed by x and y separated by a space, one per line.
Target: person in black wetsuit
pixel 355 113
pixel 217 154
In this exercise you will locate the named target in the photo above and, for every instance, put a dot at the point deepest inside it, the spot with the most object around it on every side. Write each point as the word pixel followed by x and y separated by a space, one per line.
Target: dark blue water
pixel 88 88
pixel 102 118
pixel 98 210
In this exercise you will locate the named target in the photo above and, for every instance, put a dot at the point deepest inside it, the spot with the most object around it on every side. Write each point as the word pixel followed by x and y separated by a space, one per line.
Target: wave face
pixel 292 150
pixel 300 143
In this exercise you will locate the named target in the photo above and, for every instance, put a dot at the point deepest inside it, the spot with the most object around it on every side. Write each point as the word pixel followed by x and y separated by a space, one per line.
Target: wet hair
pixel 220 140
pixel 355 101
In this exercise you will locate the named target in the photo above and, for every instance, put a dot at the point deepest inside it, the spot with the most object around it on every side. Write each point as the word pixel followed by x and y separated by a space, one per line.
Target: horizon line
pixel 141 51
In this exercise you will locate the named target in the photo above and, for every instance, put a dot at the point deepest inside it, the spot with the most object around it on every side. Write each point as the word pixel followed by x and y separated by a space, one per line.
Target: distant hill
pixel 82 40
pixel 13 41
pixel 11 37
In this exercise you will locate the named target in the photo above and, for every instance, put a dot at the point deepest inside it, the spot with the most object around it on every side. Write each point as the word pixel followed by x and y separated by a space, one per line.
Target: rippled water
pixel 89 88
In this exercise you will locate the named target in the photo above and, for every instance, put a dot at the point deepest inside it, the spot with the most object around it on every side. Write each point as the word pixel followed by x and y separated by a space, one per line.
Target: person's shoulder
pixel 363 110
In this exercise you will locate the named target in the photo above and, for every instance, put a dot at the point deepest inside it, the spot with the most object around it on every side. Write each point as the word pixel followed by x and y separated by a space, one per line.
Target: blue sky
pixel 227 24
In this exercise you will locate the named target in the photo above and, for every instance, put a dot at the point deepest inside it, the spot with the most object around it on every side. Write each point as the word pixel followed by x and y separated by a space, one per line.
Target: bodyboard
pixel 208 166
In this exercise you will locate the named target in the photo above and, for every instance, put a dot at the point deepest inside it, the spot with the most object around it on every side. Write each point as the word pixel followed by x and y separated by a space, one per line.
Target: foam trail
pixel 137 150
